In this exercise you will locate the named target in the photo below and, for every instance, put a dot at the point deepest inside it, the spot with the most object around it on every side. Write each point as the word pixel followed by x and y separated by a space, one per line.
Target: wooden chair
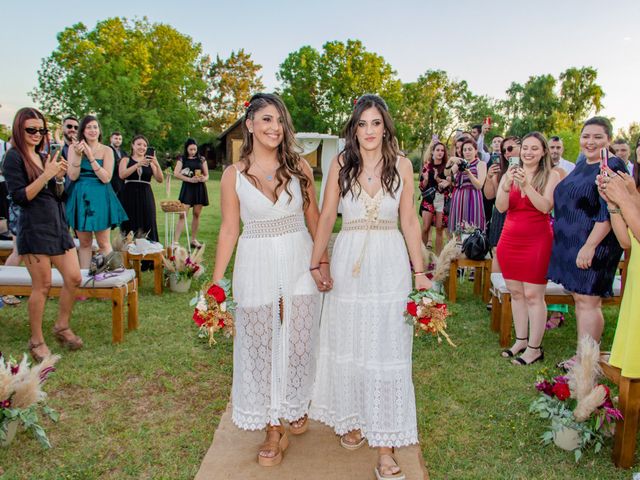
pixel 624 444
pixel 17 281
pixel 481 280
pixel 501 319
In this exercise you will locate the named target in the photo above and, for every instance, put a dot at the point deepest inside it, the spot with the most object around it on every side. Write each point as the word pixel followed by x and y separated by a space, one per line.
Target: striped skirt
pixel 466 207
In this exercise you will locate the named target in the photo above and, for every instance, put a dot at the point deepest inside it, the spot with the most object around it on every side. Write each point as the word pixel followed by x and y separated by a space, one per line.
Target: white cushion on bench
pixel 19 276
pixel 8 244
pixel 499 285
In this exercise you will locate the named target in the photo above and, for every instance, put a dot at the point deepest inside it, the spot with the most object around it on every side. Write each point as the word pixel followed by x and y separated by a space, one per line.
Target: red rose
pixel 221 323
pixel 217 292
pixel 412 309
pixel 199 319
pixel 561 390
pixel 425 320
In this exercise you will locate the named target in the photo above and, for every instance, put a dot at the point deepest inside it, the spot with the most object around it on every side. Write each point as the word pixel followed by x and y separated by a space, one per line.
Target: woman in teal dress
pixel 92 207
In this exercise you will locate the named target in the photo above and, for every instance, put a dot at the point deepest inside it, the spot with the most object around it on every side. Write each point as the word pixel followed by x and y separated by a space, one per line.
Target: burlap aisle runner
pixel 313 456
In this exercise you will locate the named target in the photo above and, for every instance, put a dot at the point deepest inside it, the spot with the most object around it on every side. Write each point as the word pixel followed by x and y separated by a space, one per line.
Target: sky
pixel 489 44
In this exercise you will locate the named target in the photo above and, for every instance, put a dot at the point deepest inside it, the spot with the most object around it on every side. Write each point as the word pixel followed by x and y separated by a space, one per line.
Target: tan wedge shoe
pixel 276 446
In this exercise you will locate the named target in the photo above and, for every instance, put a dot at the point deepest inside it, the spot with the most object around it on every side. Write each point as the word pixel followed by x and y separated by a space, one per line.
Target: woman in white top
pixel 363 387
pixel 271 190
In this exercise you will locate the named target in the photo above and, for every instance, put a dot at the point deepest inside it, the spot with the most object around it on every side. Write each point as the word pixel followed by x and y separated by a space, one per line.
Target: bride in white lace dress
pixel 363 387
pixel 271 190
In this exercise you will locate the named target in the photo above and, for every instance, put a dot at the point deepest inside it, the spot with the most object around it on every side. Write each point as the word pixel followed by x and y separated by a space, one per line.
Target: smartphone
pixel 53 149
pixel 487 121
pixel 150 152
pixel 514 162
pixel 604 158
pixel 495 158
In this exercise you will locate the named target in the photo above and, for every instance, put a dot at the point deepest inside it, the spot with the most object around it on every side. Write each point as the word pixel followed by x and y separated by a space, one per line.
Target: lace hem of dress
pixel 248 421
pixel 374 439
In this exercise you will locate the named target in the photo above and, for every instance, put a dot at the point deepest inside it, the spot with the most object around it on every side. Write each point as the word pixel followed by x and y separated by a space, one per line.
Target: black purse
pixel 429 195
pixel 476 246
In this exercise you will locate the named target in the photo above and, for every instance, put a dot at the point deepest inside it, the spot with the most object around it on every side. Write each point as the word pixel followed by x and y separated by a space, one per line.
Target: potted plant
pixel 21 397
pixel 181 268
pixel 580 410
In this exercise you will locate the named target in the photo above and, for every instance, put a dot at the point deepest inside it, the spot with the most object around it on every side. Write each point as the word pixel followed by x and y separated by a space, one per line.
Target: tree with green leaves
pixel 232 82
pixel 320 88
pixel 137 76
pixel 580 96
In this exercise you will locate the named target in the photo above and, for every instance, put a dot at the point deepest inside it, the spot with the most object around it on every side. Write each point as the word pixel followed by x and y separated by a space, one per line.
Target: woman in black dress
pixel 36 183
pixel 585 251
pixel 137 196
pixel 192 170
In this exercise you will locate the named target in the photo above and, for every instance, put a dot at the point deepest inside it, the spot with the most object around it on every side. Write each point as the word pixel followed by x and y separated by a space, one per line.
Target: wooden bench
pixel 135 261
pixel 501 318
pixel 17 281
pixel 481 280
pixel 624 443
pixel 6 247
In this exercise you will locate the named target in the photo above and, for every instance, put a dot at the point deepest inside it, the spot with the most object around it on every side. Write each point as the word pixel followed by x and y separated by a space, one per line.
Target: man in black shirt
pixel 70 133
pixel 116 142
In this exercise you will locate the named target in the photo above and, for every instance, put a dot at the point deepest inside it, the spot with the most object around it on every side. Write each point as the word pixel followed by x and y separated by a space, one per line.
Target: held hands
pixel 485 128
pixel 322 277
pixel 53 168
pixel 614 187
pixel 494 170
pixel 585 256
pixel 520 177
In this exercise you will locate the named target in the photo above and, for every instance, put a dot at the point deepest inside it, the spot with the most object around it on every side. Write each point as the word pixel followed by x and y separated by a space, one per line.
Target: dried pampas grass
pixel 587 405
pixel 198 254
pixel 24 387
pixel 450 251
pixel 584 374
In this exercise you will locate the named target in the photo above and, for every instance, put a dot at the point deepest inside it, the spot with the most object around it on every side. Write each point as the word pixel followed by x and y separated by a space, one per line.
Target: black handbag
pixel 429 195
pixel 476 246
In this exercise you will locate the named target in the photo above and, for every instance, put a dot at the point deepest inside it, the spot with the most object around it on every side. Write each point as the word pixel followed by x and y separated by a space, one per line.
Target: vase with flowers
pixel 21 397
pixel 182 267
pixel 580 410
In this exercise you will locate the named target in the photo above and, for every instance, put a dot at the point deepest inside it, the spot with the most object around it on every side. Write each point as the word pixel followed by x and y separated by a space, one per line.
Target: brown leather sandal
pixel 303 426
pixel 345 441
pixel 72 341
pixel 36 357
pixel 276 446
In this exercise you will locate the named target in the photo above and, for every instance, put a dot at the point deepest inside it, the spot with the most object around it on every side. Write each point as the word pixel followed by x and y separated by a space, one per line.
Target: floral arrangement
pixel 438 267
pixel 214 309
pixel 577 402
pixel 184 266
pixel 21 395
pixel 464 228
pixel 427 312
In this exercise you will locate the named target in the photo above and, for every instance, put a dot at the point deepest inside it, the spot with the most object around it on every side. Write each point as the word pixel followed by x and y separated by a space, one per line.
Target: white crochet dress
pixel 363 378
pixel 273 360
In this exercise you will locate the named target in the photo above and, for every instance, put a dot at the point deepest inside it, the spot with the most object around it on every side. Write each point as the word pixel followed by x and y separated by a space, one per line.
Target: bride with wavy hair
pixel 271 190
pixel 363 386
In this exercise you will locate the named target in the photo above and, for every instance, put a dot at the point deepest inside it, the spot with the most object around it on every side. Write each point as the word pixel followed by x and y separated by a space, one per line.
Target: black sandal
pixel 520 361
pixel 507 353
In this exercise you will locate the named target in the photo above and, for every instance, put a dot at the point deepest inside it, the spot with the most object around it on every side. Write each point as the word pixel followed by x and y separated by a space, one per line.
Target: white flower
pixel 427 301
pixel 223 306
pixel 202 304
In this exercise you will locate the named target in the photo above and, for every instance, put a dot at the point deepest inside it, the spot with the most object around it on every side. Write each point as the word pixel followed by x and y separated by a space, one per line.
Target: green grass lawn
pixel 148 408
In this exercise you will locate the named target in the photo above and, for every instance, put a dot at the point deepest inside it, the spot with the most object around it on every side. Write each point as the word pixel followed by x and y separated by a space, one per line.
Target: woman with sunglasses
pixel 93 207
pixel 36 184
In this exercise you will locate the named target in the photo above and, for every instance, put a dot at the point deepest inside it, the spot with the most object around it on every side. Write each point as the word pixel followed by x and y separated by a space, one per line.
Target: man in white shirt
pixel 556 149
pixel 622 150
pixel 478 132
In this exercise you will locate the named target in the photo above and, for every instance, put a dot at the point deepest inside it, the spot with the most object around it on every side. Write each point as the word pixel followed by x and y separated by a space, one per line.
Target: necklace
pixel 268 176
pixel 371 175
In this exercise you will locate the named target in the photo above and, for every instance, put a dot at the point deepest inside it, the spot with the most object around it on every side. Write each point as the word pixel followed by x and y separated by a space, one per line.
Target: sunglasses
pixel 510 148
pixel 71 127
pixel 33 131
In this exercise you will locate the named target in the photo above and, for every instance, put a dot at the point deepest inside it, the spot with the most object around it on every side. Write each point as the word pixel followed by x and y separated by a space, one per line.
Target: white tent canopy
pixel 331 145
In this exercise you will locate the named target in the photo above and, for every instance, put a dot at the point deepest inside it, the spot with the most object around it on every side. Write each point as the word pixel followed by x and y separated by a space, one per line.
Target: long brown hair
pixel 351 167
pixel 290 164
pixel 83 125
pixel 19 143
pixel 545 165
pixel 428 158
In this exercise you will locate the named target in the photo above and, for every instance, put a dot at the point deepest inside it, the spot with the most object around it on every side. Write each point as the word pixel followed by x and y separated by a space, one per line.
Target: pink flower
pixel 545 387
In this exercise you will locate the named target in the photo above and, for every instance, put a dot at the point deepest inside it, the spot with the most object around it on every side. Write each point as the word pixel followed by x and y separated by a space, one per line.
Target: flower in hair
pixel 246 104
pixel 355 101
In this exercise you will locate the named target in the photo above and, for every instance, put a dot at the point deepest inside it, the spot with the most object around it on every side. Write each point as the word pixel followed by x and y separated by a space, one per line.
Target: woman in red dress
pixel 524 249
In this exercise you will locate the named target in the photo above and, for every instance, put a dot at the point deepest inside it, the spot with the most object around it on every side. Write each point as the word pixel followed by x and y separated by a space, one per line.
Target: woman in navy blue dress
pixel 585 251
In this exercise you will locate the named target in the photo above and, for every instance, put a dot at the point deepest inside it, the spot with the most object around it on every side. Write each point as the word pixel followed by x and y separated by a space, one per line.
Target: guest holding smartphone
pixel 585 252
pixel 435 189
pixel 137 198
pixel 526 195
pixel 36 183
pixel 193 171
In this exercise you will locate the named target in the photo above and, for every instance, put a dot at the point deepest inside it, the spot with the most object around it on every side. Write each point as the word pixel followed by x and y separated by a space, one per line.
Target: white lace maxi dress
pixel 273 360
pixel 363 379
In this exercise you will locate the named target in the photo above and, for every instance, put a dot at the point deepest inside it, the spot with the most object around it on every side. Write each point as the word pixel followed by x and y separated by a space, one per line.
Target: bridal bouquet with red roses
pixel 427 312
pixel 214 309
